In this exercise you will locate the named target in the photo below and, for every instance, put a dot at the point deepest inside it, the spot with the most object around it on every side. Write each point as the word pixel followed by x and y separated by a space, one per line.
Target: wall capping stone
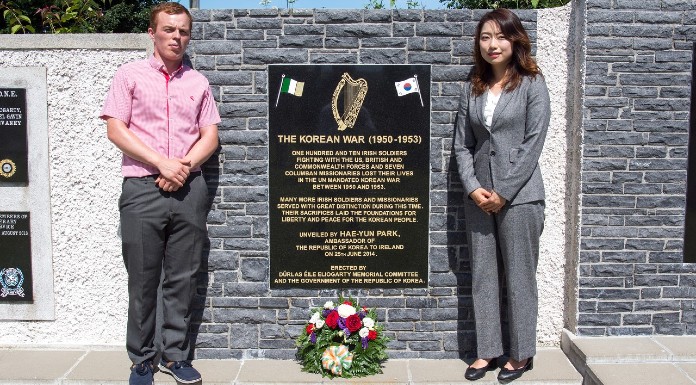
pixel 103 41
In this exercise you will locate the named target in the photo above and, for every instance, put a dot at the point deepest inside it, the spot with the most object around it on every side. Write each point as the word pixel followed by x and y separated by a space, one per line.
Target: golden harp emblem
pixel 354 92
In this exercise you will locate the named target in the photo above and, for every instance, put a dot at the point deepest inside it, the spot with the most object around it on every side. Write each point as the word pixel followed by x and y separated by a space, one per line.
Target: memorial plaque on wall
pixel 13 135
pixel 349 175
pixel 15 258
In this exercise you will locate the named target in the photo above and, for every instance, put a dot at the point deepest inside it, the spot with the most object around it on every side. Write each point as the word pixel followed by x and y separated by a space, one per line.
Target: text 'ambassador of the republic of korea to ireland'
pixel 161 114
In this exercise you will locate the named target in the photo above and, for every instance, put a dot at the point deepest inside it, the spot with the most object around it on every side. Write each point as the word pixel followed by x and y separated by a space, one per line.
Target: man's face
pixel 171 37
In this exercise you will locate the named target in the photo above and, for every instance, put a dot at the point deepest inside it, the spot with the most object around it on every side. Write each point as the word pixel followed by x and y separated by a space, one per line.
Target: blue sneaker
pixel 182 371
pixel 141 374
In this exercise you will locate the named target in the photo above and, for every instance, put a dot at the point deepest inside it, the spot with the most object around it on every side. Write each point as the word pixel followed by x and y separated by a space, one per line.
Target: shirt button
pixel 492 153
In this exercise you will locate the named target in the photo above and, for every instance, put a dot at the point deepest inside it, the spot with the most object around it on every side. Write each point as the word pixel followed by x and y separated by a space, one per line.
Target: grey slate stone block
pixel 333 58
pixel 429 58
pixel 245 34
pixel 300 41
pixel 200 15
pixel 357 30
pixel 599 319
pixel 377 16
pixel 338 16
pixel 303 29
pixel 214 31
pixel 404 29
pixel 275 56
pixel 216 47
pixel 382 56
pixel 439 29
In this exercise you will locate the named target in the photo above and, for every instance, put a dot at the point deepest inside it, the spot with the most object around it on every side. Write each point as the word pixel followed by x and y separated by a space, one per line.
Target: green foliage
pixel 379 4
pixel 512 4
pixel 127 16
pixel 71 16
pixel 15 19
pixel 75 16
pixel 365 361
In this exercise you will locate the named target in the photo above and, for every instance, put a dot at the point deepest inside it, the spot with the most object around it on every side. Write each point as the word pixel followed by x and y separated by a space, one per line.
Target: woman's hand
pixel 494 203
pixel 480 196
pixel 488 201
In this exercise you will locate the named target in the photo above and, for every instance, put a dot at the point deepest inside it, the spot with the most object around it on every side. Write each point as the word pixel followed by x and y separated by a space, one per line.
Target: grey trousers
pixel 161 232
pixel 513 237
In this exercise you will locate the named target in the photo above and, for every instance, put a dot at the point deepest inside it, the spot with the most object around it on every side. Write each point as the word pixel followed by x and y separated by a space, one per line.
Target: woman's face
pixel 496 49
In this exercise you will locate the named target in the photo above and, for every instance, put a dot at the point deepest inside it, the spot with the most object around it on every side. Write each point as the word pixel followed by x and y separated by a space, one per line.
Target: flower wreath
pixel 342 341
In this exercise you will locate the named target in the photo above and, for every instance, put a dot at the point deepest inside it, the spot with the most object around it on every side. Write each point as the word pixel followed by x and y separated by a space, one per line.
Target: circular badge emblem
pixel 11 280
pixel 7 168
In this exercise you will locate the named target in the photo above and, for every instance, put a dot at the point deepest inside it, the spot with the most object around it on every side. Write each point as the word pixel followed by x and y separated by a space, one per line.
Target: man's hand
pixel 173 173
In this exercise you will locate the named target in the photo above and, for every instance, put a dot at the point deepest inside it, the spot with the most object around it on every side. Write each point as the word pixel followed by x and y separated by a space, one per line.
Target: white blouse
pixel 491 102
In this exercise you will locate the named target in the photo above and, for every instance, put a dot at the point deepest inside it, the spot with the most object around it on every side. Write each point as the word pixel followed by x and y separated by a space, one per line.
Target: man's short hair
pixel 170 9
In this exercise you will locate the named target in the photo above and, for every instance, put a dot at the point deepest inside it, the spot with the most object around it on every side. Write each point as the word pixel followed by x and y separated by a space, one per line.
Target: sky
pixel 335 4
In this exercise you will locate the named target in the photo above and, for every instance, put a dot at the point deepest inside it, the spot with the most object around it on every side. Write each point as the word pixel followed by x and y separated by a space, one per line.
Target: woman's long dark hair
pixel 521 64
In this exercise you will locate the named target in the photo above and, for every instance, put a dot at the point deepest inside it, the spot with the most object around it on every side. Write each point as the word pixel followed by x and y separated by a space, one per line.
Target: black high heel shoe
pixel 473 374
pixel 507 375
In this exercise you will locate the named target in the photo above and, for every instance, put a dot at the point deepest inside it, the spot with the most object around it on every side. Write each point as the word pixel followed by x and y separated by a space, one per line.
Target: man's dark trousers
pixel 161 230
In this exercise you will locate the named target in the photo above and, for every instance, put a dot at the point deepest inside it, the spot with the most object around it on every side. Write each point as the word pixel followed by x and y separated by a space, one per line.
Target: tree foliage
pixel 75 16
pixel 512 4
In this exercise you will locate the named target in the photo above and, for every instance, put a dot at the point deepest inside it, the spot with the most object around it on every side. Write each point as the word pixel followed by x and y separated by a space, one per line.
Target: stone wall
pixel 635 124
pixel 241 317
pixel 614 166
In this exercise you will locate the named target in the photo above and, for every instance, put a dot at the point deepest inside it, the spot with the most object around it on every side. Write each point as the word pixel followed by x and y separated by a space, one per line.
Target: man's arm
pixel 175 171
pixel 198 154
pixel 204 147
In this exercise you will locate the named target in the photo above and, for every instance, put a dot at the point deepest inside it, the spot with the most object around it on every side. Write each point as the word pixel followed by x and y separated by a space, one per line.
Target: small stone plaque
pixel 13 135
pixel 15 258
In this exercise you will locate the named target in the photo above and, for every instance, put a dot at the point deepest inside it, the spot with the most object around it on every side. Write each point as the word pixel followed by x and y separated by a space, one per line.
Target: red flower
pixel 353 323
pixel 332 319
pixel 309 328
pixel 372 335
pixel 347 303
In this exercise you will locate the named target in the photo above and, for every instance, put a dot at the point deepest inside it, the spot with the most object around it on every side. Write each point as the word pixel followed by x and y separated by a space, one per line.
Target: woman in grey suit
pixel 501 126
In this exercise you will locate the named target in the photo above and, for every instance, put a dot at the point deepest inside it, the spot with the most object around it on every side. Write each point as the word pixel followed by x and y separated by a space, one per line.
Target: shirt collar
pixel 159 66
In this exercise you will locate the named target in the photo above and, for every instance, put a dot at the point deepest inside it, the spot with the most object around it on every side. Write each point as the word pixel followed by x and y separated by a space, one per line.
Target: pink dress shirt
pixel 165 112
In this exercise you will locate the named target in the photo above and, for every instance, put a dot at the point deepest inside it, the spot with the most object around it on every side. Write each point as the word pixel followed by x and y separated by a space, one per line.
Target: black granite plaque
pixel 15 258
pixel 690 211
pixel 349 175
pixel 13 135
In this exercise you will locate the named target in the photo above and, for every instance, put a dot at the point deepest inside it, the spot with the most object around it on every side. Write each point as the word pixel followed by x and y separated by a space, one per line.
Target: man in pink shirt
pixel 161 114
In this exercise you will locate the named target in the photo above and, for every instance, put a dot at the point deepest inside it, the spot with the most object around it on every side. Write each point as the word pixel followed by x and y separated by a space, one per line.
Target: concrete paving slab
pixel 104 367
pixel 274 372
pixel 689 369
pixel 551 367
pixel 443 372
pixel 37 365
pixel 213 372
pixel 619 349
pixel 393 372
pixel 683 348
pixel 638 374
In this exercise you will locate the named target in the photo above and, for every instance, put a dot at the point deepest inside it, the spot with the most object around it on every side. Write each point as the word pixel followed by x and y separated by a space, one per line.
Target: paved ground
pixel 656 360
pixel 651 360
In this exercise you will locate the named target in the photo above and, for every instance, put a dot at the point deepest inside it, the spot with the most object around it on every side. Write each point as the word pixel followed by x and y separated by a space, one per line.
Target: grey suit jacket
pixel 506 158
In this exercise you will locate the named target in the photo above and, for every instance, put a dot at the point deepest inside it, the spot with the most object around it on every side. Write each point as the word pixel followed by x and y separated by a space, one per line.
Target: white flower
pixel 368 322
pixel 328 305
pixel 319 323
pixel 364 332
pixel 315 317
pixel 345 311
